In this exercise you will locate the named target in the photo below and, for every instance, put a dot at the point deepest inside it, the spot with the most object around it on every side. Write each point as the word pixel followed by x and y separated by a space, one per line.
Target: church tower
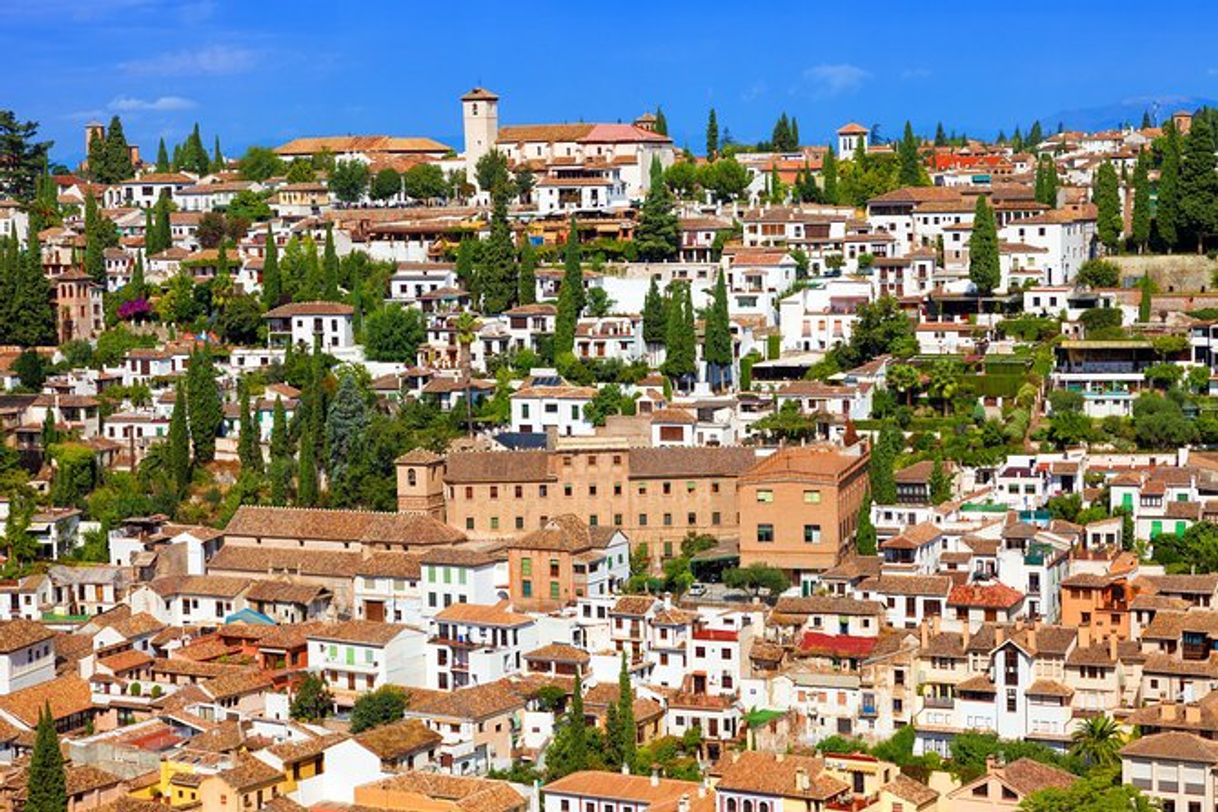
pixel 421 483
pixel 480 114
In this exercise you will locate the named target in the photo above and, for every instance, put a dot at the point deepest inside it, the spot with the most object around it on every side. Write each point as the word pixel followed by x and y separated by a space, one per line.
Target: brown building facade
pixel 799 506
pixel 653 495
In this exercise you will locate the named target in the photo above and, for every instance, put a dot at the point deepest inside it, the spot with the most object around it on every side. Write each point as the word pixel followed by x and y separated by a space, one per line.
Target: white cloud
pixel 212 60
pixel 834 80
pixel 754 91
pixel 160 103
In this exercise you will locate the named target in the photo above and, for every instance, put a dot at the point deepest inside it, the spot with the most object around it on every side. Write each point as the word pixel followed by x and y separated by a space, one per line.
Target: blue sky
pixel 262 72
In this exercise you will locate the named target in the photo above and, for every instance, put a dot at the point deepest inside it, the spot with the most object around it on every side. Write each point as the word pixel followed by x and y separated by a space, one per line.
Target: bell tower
pixel 480 115
pixel 421 483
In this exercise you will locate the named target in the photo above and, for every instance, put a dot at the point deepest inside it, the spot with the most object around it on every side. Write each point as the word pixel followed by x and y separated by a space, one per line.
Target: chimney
pixel 802 784
pixel 735 756
pixel 1112 646
pixel 965 635
pixel 655 775
pixel 1000 634
pixel 778 757
pixel 683 802
pixel 1084 637
pixel 625 769
pixel 1032 638
pixel 1192 714
pixel 1169 711
pixel 991 763
pixel 925 633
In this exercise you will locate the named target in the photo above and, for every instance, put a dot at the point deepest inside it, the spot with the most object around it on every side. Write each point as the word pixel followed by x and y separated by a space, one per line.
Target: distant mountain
pixel 1130 110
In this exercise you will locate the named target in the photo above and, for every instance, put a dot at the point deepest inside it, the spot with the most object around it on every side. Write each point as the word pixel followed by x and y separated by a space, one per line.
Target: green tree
pixel 1100 790
pixel 179 442
pixel 281 456
pixel 625 714
pixel 346 427
pixel 117 155
pixel 424 182
pixel 162 157
pixel 657 236
pixel 983 264
pixel 1199 182
pixel 883 462
pixel 349 180
pixel 1141 218
pixel 1099 273
pixel 910 172
pixel 1168 215
pixel 47 782
pixel 1144 302
pixel 260 163
pixel 385 184
pixel 756 577
pixel 31 319
pixel 206 409
pixel 162 226
pixel 22 158
pixel 940 482
pixel 1046 181
pixel 380 707
pixel 1097 740
pixel 828 174
pixel 712 136
pixel 393 333
pixel 491 172
pixel 312 701
pixel 249 443
pixel 272 284
pixel 526 285
pixel 497 272
pixel 717 350
pixel 329 268
pixel 680 362
pixel 661 124
pixel 568 751
pixel 654 327
pixel 864 533
pixel 1106 194
pixel 904 380
pixel 570 295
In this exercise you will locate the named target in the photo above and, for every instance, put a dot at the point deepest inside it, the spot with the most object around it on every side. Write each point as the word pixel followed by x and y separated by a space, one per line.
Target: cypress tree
pixel 657 236
pixel 179 442
pixel 625 714
pixel 940 483
pixel 1140 220
pixel 137 276
pixel 217 158
pixel 95 260
pixel 249 443
pixel 909 172
pixel 1199 183
pixel 1144 303
pixel 272 285
pixel 346 426
pixel 883 458
pixel 653 315
pixel 497 274
pixel 983 267
pixel 47 782
pixel 97 158
pixel 1046 181
pixel 465 264
pixel 162 157
pixel 661 121
pixel 712 136
pixel 570 295
pixel 32 319
pixel 780 137
pixel 164 234
pixel 526 287
pixel 307 485
pixel 329 268
pixel 828 173
pixel 1017 140
pixel 679 360
pixel 1035 135
pixel 1106 194
pixel 149 232
pixel 794 133
pixel 117 155
pixel 1167 212
pixel 281 456
pixel 206 408
pixel 578 742
pixel 941 136
pixel 864 532
pixel 717 350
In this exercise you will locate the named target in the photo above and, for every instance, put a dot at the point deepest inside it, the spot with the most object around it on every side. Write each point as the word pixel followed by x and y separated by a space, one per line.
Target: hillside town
pixel 370 472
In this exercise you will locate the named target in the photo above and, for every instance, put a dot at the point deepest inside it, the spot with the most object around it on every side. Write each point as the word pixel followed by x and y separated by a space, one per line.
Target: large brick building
pixel 799 506
pixel 653 495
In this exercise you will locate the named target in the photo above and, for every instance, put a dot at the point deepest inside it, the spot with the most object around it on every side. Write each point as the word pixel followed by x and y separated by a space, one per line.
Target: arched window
pixel 731 805
pixel 410 477
pixel 763 806
pixel 748 806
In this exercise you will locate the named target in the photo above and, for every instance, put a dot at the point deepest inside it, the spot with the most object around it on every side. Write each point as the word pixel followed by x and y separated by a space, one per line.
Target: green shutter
pixel 1156 528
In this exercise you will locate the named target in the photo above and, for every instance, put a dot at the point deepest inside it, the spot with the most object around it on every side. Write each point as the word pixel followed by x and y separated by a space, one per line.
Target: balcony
pixel 941 702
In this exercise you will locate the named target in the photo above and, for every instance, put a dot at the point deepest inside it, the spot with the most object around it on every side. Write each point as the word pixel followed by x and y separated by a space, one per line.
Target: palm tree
pixel 1097 741
pixel 467 329
pixel 944 381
